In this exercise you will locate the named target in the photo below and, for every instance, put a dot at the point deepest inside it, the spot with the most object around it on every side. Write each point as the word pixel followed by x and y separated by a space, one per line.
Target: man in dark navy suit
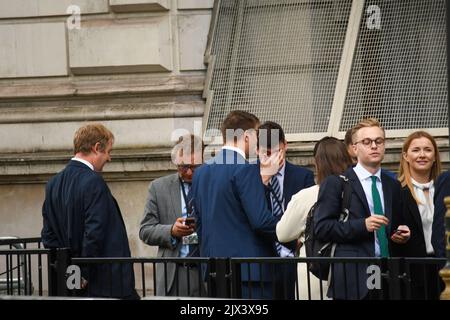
pixel 80 213
pixel 442 190
pixel 374 218
pixel 286 182
pixel 234 219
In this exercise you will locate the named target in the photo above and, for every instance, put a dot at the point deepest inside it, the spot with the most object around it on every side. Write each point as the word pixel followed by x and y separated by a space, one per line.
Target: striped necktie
pixel 277 210
pixel 277 197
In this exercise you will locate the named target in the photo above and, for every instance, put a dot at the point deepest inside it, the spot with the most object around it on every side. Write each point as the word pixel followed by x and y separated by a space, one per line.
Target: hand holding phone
pixel 401 235
pixel 190 221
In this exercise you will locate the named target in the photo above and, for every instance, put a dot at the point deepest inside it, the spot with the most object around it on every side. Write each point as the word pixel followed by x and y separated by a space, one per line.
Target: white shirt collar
pixel 282 170
pixel 363 174
pixel 235 149
pixel 422 186
pixel 85 162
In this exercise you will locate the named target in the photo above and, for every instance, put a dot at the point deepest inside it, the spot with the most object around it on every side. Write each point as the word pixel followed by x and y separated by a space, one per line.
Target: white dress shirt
pixel 84 161
pixel 235 149
pixel 426 209
pixel 364 177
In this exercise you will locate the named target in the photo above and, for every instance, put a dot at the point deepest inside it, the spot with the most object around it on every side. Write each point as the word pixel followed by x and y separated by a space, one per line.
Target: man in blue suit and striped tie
pixel 233 217
pixel 285 182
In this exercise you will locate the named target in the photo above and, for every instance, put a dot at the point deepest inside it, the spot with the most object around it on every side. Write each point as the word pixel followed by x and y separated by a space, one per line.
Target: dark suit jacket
pixel 442 190
pixel 352 237
pixel 415 247
pixel 80 213
pixel 234 219
pixel 296 178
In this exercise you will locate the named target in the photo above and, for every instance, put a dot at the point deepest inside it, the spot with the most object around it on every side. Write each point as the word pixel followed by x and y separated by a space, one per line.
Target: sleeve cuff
pixel 173 241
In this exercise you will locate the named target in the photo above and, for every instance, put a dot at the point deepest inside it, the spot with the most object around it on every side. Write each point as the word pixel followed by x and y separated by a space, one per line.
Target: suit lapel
pixel 358 189
pixel 412 204
pixel 287 190
pixel 387 194
pixel 175 196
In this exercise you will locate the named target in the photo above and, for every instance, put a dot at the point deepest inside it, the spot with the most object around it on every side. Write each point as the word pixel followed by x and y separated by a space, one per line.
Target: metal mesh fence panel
pixel 399 72
pixel 278 60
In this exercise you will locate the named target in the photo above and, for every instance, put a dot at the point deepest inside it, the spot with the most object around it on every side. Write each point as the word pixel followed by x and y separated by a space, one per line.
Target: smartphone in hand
pixel 189 221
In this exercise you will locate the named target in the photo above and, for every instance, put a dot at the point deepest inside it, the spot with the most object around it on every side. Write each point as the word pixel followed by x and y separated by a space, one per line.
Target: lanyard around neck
pixel 187 203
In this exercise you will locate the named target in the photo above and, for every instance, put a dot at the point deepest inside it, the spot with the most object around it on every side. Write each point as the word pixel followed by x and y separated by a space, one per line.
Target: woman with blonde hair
pixel 419 167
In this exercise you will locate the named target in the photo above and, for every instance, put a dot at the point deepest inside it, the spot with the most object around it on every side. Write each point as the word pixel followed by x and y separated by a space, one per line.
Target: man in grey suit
pixel 164 222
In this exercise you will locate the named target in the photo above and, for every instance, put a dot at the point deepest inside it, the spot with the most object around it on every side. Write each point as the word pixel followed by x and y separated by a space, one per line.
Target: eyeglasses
pixel 186 167
pixel 367 142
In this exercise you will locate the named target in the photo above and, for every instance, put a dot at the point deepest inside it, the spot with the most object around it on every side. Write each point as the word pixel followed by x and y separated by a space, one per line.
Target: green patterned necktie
pixel 378 209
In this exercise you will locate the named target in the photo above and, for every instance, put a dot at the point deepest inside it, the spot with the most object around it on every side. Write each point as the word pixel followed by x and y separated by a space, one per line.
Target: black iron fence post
pixel 395 275
pixel 236 282
pixel 220 277
pixel 59 260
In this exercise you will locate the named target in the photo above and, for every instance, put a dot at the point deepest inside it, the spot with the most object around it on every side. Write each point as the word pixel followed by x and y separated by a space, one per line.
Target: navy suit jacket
pixel 80 213
pixel 352 237
pixel 234 219
pixel 442 190
pixel 296 178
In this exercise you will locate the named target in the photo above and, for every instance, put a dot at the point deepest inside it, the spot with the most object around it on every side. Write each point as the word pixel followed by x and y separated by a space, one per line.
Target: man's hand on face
pixel 269 166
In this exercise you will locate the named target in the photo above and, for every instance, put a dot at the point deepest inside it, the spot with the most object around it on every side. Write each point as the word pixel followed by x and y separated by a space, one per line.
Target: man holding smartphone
pixel 168 222
pixel 373 227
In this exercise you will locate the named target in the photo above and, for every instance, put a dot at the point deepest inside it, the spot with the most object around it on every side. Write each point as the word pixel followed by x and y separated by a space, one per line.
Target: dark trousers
pixel 284 281
pixel 256 290
pixel 426 284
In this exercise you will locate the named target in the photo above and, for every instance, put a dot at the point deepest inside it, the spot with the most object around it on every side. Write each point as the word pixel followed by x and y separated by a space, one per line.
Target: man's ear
pixel 96 148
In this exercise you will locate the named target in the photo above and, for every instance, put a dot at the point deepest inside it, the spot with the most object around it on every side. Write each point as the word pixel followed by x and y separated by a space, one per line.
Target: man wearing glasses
pixel 373 226
pixel 168 222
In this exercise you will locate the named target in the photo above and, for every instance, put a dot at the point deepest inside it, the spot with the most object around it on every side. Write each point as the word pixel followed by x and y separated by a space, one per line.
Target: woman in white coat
pixel 330 157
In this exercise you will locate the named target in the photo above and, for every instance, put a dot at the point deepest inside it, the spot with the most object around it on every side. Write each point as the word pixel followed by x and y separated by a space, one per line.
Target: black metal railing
pixel 234 277
pixel 50 271
pixel 20 267
pixel 17 265
pixel 21 243
pixel 193 267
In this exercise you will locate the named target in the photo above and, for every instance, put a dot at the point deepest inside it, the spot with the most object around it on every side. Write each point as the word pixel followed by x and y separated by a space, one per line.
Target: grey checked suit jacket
pixel 162 208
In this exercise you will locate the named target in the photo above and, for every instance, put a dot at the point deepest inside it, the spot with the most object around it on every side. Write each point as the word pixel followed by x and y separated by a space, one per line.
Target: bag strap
pixel 345 212
pixel 346 198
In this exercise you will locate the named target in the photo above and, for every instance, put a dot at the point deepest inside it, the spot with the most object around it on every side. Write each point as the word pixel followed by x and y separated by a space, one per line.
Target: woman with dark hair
pixel 419 167
pixel 330 158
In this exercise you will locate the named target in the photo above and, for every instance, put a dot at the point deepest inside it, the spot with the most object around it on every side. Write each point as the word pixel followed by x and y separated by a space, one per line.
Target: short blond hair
pixel 366 123
pixel 88 135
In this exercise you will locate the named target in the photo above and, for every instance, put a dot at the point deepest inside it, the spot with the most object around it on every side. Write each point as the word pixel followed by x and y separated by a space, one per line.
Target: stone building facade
pixel 134 65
